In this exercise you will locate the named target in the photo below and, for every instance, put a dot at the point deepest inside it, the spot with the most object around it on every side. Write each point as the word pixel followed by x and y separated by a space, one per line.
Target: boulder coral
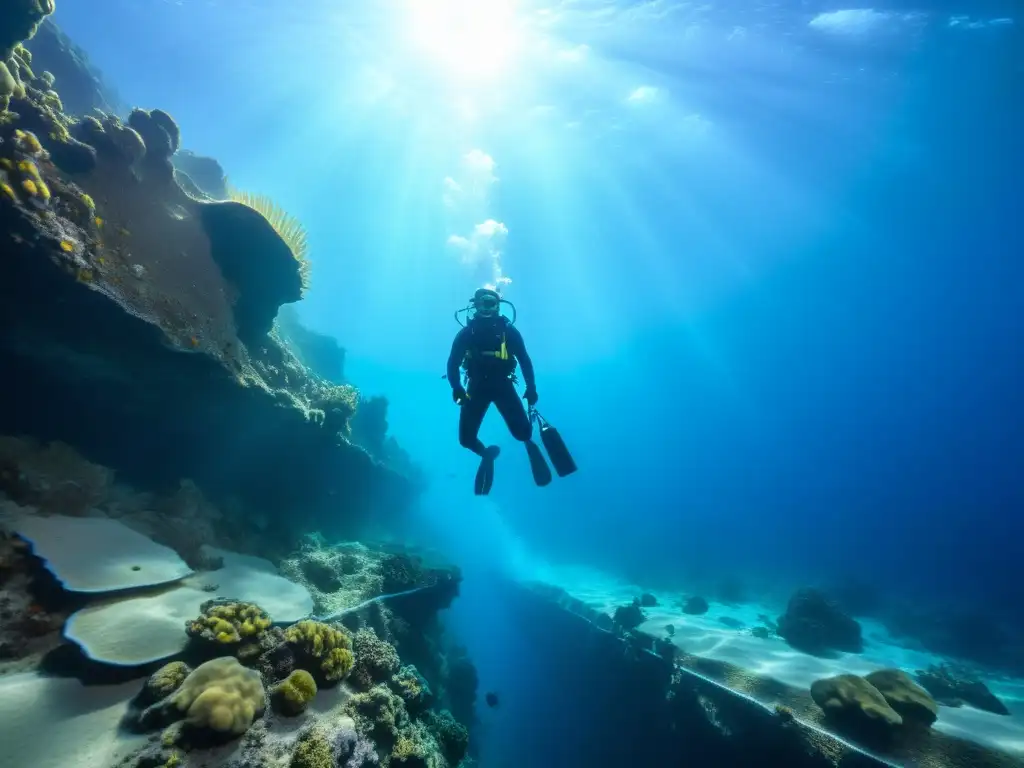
pixel 293 694
pixel 855 705
pixel 912 702
pixel 219 696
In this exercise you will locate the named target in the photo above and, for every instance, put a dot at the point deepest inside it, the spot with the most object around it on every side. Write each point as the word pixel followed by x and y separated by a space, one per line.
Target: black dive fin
pixel 539 467
pixel 485 473
pixel 555 446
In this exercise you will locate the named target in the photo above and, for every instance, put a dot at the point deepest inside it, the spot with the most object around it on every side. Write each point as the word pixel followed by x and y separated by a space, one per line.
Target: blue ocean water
pixel 765 257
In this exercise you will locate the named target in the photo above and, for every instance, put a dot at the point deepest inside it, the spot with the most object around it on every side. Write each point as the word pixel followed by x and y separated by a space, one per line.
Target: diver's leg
pixel 471 416
pixel 512 410
pixel 518 421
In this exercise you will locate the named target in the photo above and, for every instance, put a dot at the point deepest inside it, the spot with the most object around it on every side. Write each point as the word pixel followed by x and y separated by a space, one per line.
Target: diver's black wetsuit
pixel 490 378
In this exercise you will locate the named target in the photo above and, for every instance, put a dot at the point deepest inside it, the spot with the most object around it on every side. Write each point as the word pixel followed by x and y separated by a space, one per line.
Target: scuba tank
pixel 559 454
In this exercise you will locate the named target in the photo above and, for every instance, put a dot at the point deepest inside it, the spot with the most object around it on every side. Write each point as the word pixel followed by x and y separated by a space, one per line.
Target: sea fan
pixel 287 226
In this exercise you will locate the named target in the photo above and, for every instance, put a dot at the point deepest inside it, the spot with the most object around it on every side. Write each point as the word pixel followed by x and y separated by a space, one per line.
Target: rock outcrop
pixel 815 624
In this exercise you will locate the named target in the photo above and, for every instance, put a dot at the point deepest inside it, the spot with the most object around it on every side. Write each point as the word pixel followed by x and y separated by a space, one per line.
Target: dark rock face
pixel 239 236
pixel 696 606
pixel 320 353
pixel 815 624
pixel 204 172
pixel 954 689
pixel 80 83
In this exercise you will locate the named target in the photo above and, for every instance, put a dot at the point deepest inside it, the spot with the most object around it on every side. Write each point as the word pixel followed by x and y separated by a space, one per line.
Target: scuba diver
pixel 488 347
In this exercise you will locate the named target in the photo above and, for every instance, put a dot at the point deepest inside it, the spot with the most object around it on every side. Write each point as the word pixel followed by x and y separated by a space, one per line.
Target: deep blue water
pixel 774 308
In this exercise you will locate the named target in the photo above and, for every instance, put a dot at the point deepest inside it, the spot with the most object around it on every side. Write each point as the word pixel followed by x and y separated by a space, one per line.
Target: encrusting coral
pixel 376 660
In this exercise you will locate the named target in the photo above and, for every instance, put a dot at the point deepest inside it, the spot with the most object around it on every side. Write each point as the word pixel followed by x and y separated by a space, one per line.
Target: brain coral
pixel 220 695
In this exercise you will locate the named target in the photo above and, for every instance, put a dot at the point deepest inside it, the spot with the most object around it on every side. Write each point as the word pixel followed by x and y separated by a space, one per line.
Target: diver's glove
pixel 530 396
pixel 458 395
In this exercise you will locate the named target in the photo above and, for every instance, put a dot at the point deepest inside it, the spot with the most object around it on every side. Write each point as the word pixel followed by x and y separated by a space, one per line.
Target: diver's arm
pixel 459 346
pixel 517 346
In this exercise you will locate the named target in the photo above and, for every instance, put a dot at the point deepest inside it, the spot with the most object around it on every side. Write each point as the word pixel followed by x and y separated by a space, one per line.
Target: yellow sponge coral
pixel 166 680
pixel 228 623
pixel 328 647
pixel 294 693
pixel 221 695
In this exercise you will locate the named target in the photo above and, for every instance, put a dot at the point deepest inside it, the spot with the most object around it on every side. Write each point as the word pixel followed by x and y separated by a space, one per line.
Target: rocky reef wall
pixel 137 312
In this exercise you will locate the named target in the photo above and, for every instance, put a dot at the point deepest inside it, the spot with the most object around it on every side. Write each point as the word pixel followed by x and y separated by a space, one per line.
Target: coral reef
pixel 376 660
pixel 955 687
pixel 815 624
pixel 180 295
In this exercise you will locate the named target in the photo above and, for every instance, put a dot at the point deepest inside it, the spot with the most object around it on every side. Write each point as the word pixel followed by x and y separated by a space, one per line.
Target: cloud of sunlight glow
pixel 473 40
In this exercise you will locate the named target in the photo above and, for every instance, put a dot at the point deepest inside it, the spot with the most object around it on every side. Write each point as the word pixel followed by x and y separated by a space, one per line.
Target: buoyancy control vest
pixel 487 355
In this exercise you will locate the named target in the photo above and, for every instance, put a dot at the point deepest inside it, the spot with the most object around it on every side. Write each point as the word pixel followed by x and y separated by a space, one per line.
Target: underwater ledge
pixel 704 712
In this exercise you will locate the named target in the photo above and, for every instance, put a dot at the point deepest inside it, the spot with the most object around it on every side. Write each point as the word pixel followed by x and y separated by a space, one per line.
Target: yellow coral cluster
pixel 23 174
pixel 230 623
pixel 327 645
pixel 294 693
pixel 166 680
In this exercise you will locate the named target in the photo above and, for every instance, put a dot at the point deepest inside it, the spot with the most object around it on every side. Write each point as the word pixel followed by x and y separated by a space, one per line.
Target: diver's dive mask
pixel 485 304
